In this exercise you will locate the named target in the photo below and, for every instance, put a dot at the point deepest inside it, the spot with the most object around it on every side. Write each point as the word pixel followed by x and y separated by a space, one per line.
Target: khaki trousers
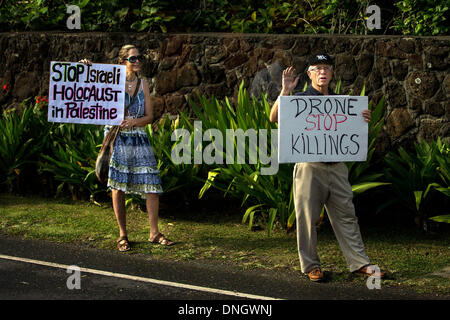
pixel 317 184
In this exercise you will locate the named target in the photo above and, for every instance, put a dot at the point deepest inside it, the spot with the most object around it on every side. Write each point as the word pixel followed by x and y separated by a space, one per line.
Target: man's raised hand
pixel 289 81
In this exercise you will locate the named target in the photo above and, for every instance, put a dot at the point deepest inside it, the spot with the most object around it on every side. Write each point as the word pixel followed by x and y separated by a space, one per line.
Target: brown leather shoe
pixel 315 274
pixel 370 270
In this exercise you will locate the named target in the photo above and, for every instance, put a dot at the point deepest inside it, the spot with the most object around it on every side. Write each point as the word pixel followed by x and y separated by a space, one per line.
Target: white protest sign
pixel 92 94
pixel 322 129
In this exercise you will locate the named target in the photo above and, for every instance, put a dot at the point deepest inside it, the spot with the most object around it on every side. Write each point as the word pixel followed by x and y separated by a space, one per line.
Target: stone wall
pixel 412 72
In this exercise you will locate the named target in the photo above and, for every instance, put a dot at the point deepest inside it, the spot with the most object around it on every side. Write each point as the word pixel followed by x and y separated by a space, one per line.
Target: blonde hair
pixel 123 52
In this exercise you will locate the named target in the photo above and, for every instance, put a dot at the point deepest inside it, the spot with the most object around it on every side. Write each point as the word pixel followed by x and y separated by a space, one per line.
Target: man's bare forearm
pixel 274 111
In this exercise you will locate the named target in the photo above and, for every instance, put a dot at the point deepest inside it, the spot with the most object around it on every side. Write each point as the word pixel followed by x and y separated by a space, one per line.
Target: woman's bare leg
pixel 152 201
pixel 118 200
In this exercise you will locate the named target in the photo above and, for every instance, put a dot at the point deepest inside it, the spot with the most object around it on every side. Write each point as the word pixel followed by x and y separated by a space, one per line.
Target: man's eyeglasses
pixel 133 59
pixel 318 69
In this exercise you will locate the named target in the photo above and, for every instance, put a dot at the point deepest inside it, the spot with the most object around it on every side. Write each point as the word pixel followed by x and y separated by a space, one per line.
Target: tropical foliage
pixel 184 177
pixel 420 179
pixel 267 196
pixel 362 175
pixel 21 141
pixel 242 176
pixel 71 158
pixel 420 17
pixel 61 158
pixel 409 17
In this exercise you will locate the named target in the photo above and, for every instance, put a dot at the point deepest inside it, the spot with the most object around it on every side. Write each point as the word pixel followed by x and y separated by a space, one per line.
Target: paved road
pixel 140 277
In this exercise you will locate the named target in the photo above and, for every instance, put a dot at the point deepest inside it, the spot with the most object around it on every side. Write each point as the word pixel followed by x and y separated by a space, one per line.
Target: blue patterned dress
pixel 133 167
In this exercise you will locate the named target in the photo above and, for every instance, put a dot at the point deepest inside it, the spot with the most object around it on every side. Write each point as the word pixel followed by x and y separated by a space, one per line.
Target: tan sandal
pixel 161 239
pixel 123 244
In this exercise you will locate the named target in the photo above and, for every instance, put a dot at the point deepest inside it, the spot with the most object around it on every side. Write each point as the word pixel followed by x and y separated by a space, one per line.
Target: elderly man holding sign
pixel 314 142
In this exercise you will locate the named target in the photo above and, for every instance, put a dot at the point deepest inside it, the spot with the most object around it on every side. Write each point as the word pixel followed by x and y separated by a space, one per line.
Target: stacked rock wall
pixel 412 73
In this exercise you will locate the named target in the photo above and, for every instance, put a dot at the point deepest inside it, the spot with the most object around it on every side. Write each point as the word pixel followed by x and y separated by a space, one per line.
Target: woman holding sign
pixel 133 167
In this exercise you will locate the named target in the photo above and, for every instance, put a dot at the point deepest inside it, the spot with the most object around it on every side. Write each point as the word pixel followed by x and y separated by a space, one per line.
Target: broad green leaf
pixel 442 218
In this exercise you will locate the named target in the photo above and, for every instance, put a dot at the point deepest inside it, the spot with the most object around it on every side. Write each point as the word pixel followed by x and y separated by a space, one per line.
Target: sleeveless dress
pixel 133 167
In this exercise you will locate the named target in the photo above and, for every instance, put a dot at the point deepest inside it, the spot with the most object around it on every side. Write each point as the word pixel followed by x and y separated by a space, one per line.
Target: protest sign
pixel 92 94
pixel 322 129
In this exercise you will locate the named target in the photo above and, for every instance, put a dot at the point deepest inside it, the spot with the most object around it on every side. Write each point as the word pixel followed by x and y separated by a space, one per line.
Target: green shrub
pixel 186 179
pixel 22 139
pixel 420 180
pixel 421 17
pixel 416 17
pixel 269 196
pixel 71 158
pixel 363 175
pixel 67 152
pixel 152 16
pixel 40 15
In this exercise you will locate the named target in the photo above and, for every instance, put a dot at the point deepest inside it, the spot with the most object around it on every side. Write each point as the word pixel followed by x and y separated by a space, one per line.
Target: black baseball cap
pixel 321 58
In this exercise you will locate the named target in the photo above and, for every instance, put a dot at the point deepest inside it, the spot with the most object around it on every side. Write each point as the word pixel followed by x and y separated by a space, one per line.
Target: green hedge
pixel 60 159
pixel 408 17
